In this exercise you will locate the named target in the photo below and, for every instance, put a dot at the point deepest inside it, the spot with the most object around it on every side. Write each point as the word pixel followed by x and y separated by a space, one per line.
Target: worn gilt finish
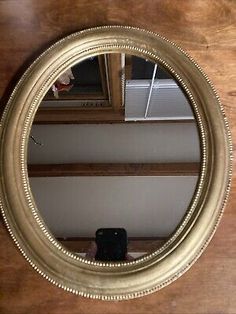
pixel 112 281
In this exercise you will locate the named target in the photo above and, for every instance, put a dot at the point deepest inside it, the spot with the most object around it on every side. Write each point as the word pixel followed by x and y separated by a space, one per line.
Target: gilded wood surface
pixel 205 29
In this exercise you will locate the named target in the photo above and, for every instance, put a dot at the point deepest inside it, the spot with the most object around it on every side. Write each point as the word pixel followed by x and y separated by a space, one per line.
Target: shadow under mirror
pixel 114 157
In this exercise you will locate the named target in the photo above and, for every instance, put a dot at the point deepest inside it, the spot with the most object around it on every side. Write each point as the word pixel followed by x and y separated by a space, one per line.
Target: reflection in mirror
pixel 113 157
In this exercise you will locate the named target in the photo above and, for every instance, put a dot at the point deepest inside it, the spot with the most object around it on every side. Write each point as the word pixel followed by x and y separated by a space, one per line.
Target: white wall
pixel 141 142
pixel 145 206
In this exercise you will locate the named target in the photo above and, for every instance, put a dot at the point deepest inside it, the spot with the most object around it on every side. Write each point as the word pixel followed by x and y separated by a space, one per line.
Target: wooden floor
pixel 204 28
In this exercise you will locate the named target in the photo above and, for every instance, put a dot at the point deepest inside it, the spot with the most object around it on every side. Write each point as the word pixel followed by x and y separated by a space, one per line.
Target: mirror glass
pixel 114 157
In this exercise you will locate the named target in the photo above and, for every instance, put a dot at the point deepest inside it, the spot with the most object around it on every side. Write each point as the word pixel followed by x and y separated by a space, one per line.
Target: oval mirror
pixel 115 163
pixel 132 179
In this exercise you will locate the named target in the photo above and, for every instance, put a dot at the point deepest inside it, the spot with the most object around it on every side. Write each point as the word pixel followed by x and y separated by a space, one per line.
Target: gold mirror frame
pixel 123 280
